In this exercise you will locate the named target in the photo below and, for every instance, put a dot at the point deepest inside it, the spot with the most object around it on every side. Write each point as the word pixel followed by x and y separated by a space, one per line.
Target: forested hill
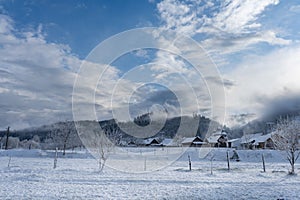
pixel 54 134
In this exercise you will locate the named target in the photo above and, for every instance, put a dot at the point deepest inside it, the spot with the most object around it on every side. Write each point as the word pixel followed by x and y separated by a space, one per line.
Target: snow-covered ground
pixel 30 175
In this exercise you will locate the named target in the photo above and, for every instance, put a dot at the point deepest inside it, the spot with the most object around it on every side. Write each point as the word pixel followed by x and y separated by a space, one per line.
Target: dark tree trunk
pixel 65 142
pixel 64 149
pixel 263 160
pixel 292 161
pixel 7 134
pixel 55 158
pixel 190 163
pixel 228 165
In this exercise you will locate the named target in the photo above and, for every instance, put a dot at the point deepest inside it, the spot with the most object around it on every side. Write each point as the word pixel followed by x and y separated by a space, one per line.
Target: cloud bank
pixel 36 77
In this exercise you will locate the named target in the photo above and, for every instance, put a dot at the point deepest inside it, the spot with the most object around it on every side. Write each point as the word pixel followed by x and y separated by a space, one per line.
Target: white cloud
pixel 239 16
pixel 295 8
pixel 6 29
pixel 168 64
pixel 179 16
pixel 5 24
pixel 36 77
pixel 232 23
pixel 37 81
pixel 227 30
pixel 141 53
pixel 239 43
pixel 261 78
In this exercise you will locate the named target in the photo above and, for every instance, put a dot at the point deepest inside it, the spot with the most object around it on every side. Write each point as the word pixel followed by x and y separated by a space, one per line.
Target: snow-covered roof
pixel 264 138
pixel 249 137
pixel 213 138
pixel 149 140
pixel 199 143
pixel 257 138
pixel 234 140
pixel 190 139
pixel 167 141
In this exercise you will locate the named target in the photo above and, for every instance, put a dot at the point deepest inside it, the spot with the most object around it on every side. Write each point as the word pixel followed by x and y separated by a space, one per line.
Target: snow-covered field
pixel 30 175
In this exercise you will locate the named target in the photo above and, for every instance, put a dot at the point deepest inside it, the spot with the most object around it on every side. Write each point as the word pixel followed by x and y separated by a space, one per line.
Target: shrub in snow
pixel 30 144
pixel 36 139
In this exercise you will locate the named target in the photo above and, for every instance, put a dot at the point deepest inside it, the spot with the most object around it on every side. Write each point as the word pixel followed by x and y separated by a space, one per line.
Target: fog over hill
pixel 118 131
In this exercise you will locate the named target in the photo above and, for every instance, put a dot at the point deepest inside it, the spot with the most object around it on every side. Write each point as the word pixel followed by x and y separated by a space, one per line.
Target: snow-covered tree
pixel 10 142
pixel 63 135
pixel 36 138
pixel 103 147
pixel 95 139
pixel 287 139
pixel 113 132
pixel 30 144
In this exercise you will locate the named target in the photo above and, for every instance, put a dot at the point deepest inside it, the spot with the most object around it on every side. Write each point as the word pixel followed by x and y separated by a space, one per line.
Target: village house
pixel 217 139
pixel 258 141
pixel 248 140
pixel 131 144
pixel 264 141
pixel 193 142
pixel 234 143
pixel 152 142
pixel 167 142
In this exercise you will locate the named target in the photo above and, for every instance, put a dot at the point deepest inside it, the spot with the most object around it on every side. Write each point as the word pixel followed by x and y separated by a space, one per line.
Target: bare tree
pixel 63 135
pixel 287 139
pixel 102 147
pixel 66 138
pixel 177 140
pixel 95 139
pixel 210 155
pixel 55 158
pixel 113 132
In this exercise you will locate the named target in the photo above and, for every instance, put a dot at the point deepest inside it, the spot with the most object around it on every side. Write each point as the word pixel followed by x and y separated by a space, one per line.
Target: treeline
pixel 64 134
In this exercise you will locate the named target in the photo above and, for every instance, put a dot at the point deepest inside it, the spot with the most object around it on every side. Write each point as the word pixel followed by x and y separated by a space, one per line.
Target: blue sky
pixel 81 24
pixel 254 44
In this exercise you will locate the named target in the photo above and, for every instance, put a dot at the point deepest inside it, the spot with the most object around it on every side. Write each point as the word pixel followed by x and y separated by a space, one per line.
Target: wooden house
pixel 217 139
pixel 152 142
pixel 193 142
